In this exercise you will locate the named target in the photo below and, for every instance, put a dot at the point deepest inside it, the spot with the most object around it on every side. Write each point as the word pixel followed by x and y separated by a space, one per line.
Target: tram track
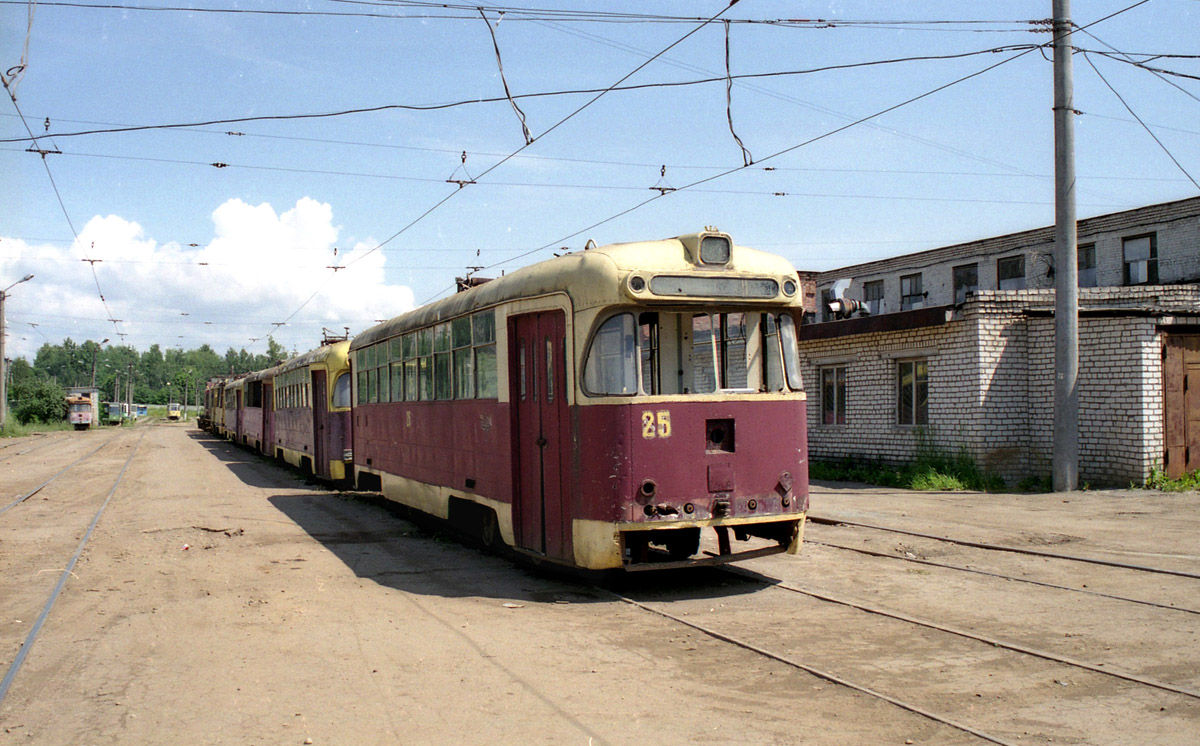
pixel 832 521
pixel 1100 668
pixel 1105 670
pixel 1001 576
pixel 30 493
pixel 812 670
pixel 31 638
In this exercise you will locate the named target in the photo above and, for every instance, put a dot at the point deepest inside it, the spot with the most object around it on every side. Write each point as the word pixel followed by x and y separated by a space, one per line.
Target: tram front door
pixel 541 433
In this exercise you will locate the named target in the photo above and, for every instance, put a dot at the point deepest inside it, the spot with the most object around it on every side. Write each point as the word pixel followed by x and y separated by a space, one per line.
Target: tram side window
pixel 463 358
pixel 425 362
pixel 443 386
pixel 410 366
pixel 341 391
pixel 612 364
pixel 484 339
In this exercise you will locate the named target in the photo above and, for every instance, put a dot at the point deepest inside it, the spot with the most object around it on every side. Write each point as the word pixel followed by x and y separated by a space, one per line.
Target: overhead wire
pixel 560 241
pixel 504 160
pixel 499 99
pixel 561 185
pixel 1087 58
pixel 62 205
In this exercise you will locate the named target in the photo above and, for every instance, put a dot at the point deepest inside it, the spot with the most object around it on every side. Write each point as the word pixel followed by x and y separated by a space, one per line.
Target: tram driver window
pixel 667 353
pixel 612 366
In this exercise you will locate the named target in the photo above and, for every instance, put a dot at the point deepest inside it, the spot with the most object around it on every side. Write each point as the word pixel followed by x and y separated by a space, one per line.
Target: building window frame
pixel 834 385
pixel 1140 270
pixel 1010 272
pixel 873 296
pixel 1085 265
pixel 912 392
pixel 966 280
pixel 912 296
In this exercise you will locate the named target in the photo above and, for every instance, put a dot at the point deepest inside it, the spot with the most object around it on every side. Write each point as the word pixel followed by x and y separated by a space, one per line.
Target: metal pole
pixel 1065 465
pixel 3 371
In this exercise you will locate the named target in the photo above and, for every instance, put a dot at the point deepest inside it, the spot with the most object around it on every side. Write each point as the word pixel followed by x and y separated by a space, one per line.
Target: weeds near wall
pixel 934 469
pixel 1158 480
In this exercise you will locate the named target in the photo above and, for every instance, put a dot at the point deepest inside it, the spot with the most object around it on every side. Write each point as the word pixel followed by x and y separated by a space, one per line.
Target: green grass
pixel 14 429
pixel 1158 480
pixel 933 470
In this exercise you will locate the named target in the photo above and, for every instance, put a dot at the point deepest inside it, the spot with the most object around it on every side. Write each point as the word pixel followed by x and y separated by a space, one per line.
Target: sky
pixel 225 233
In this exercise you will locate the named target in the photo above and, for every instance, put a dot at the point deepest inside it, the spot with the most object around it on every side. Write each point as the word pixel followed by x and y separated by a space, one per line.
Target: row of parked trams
pixel 84 411
pixel 599 410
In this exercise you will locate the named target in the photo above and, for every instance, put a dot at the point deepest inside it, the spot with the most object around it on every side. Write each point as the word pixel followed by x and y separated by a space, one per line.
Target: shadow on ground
pixel 414 554
pixel 251 468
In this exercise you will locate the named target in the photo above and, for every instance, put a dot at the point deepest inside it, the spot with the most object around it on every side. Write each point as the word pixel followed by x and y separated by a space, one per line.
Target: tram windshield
pixel 660 352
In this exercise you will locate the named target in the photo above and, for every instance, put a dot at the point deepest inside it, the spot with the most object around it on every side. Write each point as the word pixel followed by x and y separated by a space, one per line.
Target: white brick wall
pixel 1176 226
pixel 991 373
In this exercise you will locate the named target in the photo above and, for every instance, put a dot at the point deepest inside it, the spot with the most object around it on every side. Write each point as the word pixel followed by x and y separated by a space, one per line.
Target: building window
pixel 1141 260
pixel 826 299
pixel 1087 266
pixel 966 280
pixel 911 295
pixel 833 395
pixel 912 400
pixel 873 296
pixel 1010 271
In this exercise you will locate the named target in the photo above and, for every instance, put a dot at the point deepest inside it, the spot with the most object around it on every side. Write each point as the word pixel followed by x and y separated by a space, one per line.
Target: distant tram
pixel 82 411
pixel 173 411
pixel 598 410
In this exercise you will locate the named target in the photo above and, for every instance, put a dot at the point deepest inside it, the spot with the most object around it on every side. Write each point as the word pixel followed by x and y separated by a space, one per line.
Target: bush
pixel 39 401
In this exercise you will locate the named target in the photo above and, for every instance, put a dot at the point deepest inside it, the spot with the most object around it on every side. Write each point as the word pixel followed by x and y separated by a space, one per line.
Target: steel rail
pixel 64 470
pixel 1099 668
pixel 811 669
pixel 6 683
pixel 1001 548
pixel 961 568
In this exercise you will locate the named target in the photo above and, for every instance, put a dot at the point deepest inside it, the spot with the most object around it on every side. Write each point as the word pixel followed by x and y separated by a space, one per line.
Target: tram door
pixel 238 419
pixel 268 415
pixel 320 424
pixel 537 385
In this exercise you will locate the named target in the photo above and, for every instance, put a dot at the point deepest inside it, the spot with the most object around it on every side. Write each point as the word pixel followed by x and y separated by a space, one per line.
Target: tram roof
pixel 313 357
pixel 594 277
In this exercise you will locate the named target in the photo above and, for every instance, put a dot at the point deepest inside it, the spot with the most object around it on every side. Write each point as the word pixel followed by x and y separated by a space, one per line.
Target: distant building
pixel 958 351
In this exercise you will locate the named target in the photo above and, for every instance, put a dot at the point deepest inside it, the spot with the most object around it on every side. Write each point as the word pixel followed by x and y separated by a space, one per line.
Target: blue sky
pixel 192 253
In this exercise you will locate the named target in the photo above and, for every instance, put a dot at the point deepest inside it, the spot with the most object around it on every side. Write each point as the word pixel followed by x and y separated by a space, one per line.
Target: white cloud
pixel 259 268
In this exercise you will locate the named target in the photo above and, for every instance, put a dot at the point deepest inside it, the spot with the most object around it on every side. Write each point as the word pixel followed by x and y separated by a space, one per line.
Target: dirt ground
pixel 223 600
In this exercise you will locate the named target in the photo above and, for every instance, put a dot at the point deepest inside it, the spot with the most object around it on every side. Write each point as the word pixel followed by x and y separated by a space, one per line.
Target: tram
pixel 600 409
pixel 82 411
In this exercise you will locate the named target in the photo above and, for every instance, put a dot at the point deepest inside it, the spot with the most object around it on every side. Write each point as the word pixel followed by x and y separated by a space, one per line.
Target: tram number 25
pixel 656 424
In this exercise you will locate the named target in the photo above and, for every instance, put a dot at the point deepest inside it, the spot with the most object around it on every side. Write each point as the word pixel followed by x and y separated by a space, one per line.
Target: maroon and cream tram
pixel 599 409
pixel 309 426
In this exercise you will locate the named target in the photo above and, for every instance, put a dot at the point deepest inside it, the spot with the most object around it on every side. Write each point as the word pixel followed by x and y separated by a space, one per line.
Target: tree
pixel 39 401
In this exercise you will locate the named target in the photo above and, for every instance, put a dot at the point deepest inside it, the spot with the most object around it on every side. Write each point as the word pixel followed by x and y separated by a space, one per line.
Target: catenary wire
pixel 1087 58
pixel 504 160
pixel 500 99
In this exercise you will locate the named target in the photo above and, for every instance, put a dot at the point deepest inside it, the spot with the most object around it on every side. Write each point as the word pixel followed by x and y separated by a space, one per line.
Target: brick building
pixel 959 350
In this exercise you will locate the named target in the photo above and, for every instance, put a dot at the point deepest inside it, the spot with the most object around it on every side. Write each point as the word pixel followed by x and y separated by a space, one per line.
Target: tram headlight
pixel 637 283
pixel 789 287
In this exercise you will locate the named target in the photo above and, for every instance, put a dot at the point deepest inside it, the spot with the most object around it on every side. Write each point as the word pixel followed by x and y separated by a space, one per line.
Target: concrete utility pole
pixel 3 371
pixel 94 351
pixel 129 393
pixel 1065 466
